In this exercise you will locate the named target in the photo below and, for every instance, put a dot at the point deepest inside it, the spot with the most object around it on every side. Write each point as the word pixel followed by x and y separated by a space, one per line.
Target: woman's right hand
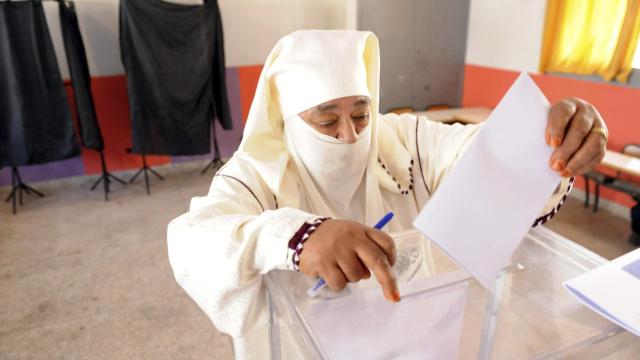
pixel 342 251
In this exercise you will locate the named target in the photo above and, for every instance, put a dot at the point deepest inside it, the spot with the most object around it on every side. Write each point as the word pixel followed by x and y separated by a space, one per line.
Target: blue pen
pixel 320 284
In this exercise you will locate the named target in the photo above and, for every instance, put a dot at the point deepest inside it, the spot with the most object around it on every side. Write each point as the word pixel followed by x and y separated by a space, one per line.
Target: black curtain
pixel 174 58
pixel 88 127
pixel 35 121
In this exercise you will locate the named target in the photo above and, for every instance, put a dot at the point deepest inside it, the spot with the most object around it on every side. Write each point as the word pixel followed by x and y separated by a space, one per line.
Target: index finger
pixel 559 117
pixel 575 137
pixel 376 260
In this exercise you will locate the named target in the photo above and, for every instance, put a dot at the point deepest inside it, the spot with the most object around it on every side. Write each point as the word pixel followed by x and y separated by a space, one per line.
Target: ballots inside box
pixel 432 308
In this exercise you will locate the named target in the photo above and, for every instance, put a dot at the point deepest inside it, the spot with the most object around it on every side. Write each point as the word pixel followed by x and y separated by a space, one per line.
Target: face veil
pixel 334 168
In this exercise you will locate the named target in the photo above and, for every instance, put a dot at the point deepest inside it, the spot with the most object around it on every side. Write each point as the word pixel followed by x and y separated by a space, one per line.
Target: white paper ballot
pixel 486 204
pixel 426 324
pixel 612 290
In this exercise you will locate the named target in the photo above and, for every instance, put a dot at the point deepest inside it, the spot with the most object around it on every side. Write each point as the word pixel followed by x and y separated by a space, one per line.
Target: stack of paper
pixel 612 290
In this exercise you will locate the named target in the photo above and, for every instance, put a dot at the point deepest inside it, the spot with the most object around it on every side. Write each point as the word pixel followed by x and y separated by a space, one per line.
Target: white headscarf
pixel 305 69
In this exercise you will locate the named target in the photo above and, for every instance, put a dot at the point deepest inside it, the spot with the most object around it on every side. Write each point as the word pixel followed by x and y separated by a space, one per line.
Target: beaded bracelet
pixel 543 219
pixel 296 243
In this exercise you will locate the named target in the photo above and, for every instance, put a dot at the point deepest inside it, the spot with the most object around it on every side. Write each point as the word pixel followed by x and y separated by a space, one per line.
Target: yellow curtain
pixel 591 37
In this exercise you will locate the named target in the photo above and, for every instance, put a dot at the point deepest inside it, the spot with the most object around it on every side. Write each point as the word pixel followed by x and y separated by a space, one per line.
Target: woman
pixel 316 168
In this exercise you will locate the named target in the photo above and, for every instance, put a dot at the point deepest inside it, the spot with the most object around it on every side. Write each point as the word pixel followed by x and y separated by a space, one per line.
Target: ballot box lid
pixel 445 313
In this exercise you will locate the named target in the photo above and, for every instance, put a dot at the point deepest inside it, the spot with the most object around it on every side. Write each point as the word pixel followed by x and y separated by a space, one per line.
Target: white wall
pixel 251 28
pixel 99 26
pixel 506 33
pixel 501 33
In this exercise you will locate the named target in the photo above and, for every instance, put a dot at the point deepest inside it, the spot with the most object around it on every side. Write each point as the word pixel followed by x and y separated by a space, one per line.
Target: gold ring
pixel 602 132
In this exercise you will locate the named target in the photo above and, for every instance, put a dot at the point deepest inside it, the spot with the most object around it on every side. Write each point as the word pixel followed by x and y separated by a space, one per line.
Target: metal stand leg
pixel 216 163
pixel 597 198
pixel 586 192
pixel 145 169
pixel 17 187
pixel 634 238
pixel 106 178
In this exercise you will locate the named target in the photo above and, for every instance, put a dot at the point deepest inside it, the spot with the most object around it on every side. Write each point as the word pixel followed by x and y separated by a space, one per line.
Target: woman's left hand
pixel 572 130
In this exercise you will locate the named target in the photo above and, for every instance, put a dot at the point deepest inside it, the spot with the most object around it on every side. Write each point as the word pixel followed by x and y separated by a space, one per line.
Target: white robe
pixel 220 249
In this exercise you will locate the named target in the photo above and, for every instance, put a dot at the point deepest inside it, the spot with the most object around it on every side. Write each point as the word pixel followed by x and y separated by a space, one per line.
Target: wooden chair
pixel 613 182
pixel 402 110
pixel 438 107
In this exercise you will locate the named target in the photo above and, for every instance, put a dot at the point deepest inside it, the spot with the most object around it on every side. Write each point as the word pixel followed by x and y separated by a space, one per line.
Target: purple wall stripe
pixel 50 171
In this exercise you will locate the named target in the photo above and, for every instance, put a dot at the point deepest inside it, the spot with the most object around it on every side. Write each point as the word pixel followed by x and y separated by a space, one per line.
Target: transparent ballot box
pixel 446 314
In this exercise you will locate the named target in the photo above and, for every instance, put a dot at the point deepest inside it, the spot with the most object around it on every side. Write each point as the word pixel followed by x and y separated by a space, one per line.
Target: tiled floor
pixel 85 279
pixel 81 278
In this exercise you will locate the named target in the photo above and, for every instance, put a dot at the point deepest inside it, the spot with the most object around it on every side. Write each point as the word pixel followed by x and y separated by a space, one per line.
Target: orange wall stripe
pixel 248 77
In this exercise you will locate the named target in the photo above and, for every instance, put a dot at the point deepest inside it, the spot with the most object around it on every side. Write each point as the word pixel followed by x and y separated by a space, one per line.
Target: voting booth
pixel 447 314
